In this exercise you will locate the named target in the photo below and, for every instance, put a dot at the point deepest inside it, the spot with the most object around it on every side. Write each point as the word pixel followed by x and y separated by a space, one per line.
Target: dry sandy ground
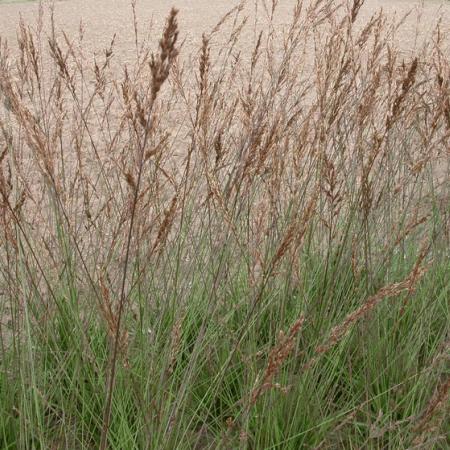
pixel 103 18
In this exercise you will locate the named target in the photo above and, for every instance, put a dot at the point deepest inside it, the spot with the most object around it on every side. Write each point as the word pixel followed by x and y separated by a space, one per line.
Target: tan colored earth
pixel 103 18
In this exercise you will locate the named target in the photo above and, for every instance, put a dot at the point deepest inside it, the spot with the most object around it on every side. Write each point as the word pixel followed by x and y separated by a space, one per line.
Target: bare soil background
pixel 102 19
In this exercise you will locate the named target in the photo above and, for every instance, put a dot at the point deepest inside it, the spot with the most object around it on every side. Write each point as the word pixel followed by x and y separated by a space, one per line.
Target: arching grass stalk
pixel 160 68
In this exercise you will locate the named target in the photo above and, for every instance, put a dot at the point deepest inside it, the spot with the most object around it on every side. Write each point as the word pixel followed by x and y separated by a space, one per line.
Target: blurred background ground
pixel 103 18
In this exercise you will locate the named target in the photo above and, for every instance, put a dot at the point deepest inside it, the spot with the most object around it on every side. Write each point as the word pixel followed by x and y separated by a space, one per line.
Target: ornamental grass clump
pixel 162 221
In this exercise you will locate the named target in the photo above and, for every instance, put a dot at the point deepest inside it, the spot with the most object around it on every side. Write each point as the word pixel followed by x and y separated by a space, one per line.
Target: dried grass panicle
pixel 109 312
pixel 166 225
pixel 434 414
pixel 402 232
pixel 277 356
pixel 34 135
pixel 131 181
pixel 407 83
pixel 204 65
pixel 331 186
pixel 389 291
pixel 61 61
pixel 160 66
pixel 294 234
pixel 29 55
pixel 355 9
pixel 442 69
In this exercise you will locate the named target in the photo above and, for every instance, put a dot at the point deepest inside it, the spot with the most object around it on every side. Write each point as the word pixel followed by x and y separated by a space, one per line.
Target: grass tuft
pixel 245 247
